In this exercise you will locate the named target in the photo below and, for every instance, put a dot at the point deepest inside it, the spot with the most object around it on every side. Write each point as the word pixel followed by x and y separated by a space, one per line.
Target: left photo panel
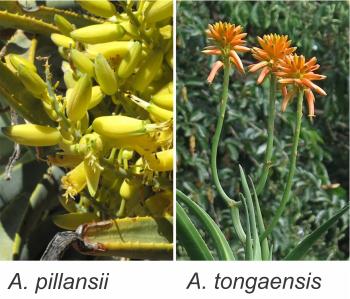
pixel 86 140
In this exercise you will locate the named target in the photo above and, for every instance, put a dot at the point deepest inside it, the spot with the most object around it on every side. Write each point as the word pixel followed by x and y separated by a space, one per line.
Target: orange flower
pixel 273 48
pixel 227 39
pixel 295 71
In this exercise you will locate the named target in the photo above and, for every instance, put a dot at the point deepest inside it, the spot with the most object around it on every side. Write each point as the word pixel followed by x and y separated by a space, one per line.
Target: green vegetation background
pixel 318 29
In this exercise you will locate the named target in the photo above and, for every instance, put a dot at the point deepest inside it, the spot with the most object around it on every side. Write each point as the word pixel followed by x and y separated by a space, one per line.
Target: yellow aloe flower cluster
pixel 113 125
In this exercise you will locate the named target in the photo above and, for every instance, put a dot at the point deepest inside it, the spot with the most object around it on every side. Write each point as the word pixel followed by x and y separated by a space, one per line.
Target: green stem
pixel 292 164
pixel 56 106
pixel 270 129
pixel 232 204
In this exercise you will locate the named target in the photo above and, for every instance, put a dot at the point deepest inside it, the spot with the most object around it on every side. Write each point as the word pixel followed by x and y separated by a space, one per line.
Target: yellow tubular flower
pixel 273 48
pixel 32 135
pixel 160 161
pixel 79 98
pixel 227 39
pixel 101 8
pixel 74 181
pixel 295 71
pixel 17 60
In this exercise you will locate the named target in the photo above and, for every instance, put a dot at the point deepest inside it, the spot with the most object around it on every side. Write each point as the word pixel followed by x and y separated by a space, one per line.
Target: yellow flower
pixel 294 71
pixel 227 39
pixel 273 48
pixel 74 181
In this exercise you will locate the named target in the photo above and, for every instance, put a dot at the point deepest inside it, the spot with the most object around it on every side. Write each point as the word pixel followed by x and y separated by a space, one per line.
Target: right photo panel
pixel 262 130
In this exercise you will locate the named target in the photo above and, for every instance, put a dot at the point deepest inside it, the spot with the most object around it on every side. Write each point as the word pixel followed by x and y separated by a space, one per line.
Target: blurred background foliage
pixel 321 183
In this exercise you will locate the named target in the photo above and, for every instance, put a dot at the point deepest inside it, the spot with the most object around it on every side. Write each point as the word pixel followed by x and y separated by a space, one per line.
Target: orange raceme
pixel 273 48
pixel 227 39
pixel 295 71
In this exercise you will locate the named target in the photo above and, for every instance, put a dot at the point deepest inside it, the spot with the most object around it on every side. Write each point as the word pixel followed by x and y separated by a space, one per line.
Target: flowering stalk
pixel 292 164
pixel 232 204
pixel 226 40
pixel 273 47
pixel 270 130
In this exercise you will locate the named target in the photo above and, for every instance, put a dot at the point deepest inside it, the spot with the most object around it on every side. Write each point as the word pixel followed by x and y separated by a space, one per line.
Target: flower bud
pixel 32 81
pixel 160 10
pixel 96 97
pixel 101 8
pixel 33 135
pixel 79 98
pixel 63 24
pixel 130 29
pixel 129 188
pixel 84 123
pixel 118 125
pixel 105 76
pixel 91 143
pixel 17 60
pixel 93 175
pixel 148 71
pixel 62 40
pixel 82 62
pixel 160 161
pixel 164 97
pixel 109 50
pixel 69 79
pixel 100 33
pixel 130 61
pixel 166 31
pixel 157 114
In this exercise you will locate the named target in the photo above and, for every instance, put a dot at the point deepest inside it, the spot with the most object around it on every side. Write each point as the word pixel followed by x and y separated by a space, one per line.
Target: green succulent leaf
pixel 46 14
pixel 29 24
pixel 222 247
pixel 251 214
pixel 303 247
pixel 265 255
pixel 190 237
pixel 136 238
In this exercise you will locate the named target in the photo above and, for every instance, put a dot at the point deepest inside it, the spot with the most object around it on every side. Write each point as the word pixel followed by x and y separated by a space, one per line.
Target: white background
pixel 169 279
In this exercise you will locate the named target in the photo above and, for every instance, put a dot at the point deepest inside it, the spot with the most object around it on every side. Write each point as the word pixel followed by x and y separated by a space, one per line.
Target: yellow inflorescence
pixel 117 151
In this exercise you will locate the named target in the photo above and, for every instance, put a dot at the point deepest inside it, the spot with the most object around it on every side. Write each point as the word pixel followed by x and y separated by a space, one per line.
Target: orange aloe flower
pixel 273 48
pixel 294 70
pixel 227 39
